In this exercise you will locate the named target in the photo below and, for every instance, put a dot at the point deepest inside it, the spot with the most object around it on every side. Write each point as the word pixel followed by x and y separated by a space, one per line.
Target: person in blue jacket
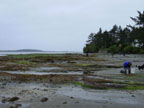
pixel 127 67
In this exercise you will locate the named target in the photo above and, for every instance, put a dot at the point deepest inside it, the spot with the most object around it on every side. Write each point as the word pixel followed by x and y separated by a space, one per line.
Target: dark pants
pixel 128 70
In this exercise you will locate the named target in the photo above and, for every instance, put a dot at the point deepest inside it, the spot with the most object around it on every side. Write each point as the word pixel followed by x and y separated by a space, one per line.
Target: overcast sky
pixel 60 25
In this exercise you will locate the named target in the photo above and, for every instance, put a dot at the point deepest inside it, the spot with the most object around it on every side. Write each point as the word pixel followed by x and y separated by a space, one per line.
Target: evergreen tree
pixel 139 20
pixel 118 39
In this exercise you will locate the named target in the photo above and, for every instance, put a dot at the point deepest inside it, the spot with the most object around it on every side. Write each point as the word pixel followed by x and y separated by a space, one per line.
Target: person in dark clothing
pixel 127 67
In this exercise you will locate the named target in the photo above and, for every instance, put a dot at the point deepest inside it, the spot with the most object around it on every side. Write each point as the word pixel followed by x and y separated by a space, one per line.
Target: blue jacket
pixel 126 64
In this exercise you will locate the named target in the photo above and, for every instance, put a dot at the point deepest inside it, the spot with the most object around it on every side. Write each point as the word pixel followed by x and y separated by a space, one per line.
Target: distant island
pixel 22 50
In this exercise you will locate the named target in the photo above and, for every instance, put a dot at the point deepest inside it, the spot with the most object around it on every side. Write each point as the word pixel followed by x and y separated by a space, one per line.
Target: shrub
pixel 128 49
pixel 141 51
pixel 113 49
pixel 90 48
pixel 136 50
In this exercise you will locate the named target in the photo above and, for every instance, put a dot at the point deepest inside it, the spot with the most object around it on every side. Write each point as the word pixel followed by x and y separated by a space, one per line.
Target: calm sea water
pixel 15 53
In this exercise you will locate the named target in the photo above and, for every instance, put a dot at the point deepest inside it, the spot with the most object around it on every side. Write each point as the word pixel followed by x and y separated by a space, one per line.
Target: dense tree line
pixel 119 40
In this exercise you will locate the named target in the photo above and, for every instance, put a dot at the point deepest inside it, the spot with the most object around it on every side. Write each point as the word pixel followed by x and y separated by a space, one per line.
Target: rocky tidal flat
pixel 70 81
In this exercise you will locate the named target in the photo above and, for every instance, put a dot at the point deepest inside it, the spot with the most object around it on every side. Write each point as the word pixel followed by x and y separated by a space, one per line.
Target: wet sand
pixel 69 96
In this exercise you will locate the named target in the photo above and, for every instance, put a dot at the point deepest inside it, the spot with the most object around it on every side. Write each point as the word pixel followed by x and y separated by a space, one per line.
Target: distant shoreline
pixel 5 53
pixel 34 50
pixel 22 50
